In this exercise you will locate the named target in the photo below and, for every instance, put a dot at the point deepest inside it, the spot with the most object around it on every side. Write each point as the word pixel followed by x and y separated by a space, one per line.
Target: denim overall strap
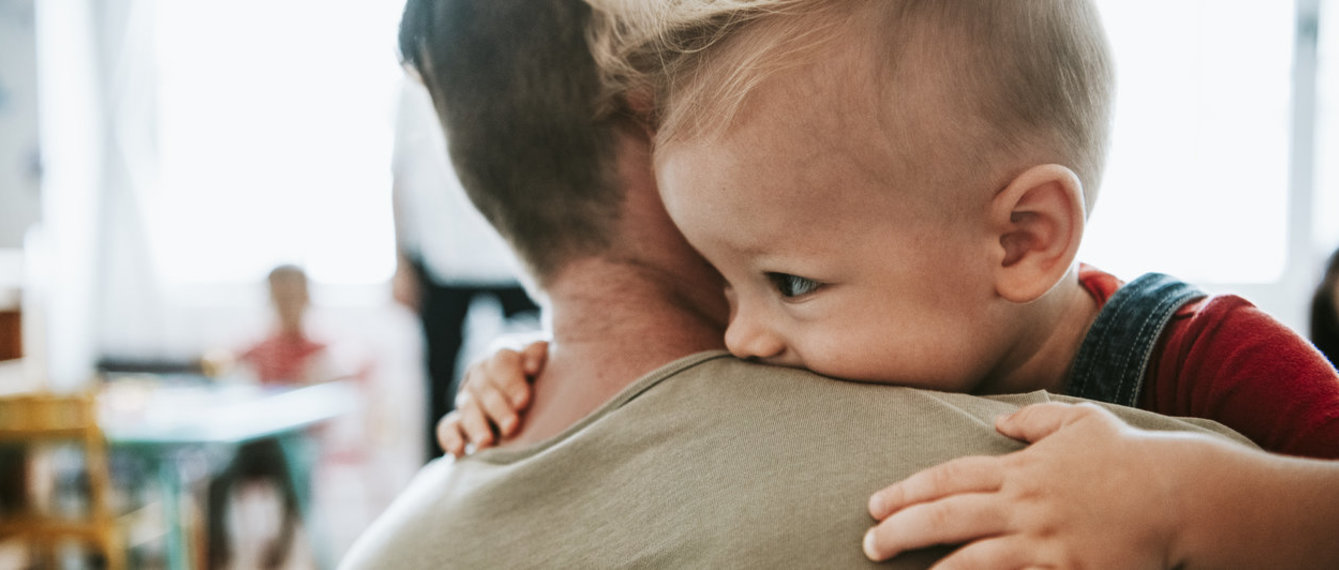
pixel 1111 361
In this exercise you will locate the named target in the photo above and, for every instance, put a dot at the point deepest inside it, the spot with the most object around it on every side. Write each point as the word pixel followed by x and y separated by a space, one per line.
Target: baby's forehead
pixel 824 123
pixel 788 164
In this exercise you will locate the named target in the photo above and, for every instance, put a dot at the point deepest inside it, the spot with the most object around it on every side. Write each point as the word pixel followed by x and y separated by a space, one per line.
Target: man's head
pixel 916 169
pixel 516 88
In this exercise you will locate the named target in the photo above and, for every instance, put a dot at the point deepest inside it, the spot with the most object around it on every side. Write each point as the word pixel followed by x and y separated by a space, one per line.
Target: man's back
pixel 708 462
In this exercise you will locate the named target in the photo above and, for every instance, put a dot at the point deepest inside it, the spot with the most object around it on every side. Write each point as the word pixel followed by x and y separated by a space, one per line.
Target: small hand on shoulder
pixel 1063 502
pixel 1093 492
pixel 492 398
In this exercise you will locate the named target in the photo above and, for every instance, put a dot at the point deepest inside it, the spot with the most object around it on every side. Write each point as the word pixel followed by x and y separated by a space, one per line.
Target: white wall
pixel 65 251
pixel 19 194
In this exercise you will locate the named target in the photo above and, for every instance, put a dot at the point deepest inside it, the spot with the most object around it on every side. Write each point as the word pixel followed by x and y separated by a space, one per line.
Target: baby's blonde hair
pixel 1033 77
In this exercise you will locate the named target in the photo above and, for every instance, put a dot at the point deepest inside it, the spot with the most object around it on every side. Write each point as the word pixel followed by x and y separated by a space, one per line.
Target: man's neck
pixel 612 324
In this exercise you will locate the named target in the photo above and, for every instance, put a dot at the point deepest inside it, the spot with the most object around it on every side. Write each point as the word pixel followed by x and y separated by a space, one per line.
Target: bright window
pixel 1198 176
pixel 274 139
pixel 1327 132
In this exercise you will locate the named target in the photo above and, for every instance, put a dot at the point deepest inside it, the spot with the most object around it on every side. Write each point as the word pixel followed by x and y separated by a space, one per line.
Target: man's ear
pixel 1039 219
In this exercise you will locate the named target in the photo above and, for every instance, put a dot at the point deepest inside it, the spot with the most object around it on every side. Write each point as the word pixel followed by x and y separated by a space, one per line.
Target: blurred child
pixel 287 357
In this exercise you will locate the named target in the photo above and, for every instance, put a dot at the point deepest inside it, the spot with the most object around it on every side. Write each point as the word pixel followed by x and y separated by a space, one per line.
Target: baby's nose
pixel 748 338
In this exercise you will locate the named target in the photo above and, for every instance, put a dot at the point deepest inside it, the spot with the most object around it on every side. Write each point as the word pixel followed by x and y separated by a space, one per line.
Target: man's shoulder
pixel 702 464
pixel 752 392
pixel 709 454
pixel 725 382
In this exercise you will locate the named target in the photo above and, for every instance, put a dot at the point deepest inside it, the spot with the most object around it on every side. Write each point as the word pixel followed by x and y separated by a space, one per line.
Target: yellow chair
pixel 36 419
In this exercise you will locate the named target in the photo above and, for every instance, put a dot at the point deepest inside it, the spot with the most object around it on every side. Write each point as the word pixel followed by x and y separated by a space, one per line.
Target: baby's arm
pixel 1094 492
pixel 492 396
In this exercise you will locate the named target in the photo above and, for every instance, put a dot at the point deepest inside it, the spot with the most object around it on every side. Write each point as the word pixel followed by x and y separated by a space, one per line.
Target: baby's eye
pixel 793 285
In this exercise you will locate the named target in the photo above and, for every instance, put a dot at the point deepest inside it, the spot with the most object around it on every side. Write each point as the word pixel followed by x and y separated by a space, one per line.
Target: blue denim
pixel 1113 358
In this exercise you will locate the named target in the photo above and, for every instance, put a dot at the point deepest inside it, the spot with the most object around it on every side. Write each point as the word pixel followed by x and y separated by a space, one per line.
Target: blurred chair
pixel 34 420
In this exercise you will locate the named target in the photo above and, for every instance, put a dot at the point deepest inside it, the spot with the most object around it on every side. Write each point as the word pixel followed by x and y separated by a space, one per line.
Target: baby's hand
pixel 1087 493
pixel 491 397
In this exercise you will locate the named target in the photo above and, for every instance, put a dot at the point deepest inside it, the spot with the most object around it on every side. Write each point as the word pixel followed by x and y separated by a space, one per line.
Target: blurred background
pixel 159 158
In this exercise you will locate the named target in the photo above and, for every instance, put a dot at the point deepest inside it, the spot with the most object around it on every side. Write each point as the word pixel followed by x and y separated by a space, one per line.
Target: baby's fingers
pixel 955 520
pixel 496 408
pixel 1039 421
pixel 533 357
pixel 504 373
pixel 450 436
pixel 474 424
pixel 964 475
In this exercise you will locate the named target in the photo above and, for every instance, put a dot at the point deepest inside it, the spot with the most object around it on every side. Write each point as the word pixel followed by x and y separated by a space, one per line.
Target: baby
pixel 895 192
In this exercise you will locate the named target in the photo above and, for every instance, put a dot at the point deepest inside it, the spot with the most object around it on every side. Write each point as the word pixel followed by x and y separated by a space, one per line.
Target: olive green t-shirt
pixel 708 462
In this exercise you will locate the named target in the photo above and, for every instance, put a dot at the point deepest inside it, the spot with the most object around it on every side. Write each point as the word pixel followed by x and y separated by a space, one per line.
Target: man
pixel 644 443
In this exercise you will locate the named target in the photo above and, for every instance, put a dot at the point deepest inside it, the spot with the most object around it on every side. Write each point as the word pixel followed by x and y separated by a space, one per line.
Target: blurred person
pixel 1325 313
pixel 448 256
pixel 287 357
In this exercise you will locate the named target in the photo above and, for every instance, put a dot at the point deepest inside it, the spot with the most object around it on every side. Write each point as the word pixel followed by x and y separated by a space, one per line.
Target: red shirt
pixel 1222 359
pixel 282 358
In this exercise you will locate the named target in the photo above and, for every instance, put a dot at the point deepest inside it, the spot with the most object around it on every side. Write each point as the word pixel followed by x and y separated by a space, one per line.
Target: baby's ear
pixel 1039 218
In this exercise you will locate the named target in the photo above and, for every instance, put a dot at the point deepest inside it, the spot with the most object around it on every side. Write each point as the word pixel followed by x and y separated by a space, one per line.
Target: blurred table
pixel 155 420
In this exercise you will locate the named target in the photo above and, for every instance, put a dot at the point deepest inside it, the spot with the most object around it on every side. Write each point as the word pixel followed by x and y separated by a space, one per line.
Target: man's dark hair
pixel 516 88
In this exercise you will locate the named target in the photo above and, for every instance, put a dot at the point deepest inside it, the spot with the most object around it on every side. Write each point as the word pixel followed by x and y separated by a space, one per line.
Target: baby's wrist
pixel 1214 485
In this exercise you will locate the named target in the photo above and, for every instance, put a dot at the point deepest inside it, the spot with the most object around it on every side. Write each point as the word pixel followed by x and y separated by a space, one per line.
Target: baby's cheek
pixel 850 361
